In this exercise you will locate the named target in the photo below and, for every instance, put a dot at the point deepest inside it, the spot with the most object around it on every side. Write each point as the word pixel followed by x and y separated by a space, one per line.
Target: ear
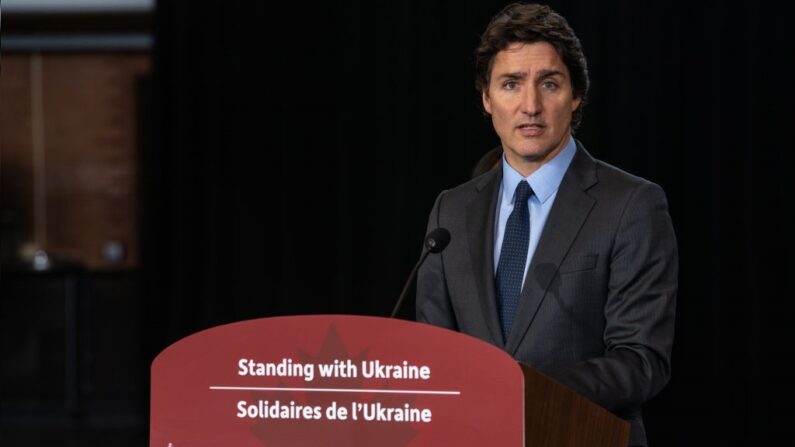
pixel 575 104
pixel 486 101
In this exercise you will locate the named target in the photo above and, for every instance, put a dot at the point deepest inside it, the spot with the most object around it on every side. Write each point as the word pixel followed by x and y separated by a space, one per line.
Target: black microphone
pixel 436 241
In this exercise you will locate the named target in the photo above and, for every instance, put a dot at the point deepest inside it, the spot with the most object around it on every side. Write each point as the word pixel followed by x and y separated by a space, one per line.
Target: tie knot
pixel 523 192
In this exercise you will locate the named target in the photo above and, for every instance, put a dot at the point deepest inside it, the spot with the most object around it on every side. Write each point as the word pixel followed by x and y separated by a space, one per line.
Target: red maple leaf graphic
pixel 325 432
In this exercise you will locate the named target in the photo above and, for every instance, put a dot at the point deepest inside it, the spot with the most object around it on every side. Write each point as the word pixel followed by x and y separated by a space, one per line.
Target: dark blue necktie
pixel 510 269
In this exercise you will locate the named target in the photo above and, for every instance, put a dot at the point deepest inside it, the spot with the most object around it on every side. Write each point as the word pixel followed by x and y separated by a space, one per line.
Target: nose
pixel 531 102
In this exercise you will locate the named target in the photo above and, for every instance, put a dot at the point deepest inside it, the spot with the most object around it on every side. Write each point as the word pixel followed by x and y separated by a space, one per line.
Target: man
pixel 567 263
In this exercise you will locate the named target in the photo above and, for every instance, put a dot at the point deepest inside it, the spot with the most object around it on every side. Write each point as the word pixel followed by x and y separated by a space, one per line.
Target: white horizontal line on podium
pixel 334 390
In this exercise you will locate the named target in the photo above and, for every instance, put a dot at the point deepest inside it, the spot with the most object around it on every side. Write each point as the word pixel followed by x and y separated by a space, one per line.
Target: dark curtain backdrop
pixel 298 148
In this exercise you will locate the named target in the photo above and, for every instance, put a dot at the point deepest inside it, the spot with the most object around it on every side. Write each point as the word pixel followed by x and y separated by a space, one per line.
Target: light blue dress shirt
pixel 545 182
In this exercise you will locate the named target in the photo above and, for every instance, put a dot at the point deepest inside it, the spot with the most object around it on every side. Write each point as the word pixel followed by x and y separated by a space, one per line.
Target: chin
pixel 534 155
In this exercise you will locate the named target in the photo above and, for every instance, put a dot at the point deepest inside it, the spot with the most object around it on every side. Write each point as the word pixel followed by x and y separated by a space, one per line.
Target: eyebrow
pixel 515 75
pixel 543 74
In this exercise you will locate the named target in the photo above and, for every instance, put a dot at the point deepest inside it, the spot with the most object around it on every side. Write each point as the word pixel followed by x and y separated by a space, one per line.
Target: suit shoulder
pixel 627 194
pixel 616 181
pixel 466 190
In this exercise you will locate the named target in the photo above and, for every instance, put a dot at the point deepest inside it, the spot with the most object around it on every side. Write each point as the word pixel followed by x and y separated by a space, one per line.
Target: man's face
pixel 530 100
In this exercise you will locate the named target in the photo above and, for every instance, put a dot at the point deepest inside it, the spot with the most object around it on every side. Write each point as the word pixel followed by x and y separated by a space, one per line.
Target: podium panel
pixel 330 380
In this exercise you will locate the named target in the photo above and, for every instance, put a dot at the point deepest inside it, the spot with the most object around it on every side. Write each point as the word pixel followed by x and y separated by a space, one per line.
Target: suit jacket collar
pixel 571 208
pixel 480 234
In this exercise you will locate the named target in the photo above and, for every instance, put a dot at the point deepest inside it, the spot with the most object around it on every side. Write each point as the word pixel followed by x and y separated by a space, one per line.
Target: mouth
pixel 530 129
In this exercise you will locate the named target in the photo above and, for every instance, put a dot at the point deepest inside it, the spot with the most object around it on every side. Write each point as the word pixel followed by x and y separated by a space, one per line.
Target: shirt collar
pixel 544 181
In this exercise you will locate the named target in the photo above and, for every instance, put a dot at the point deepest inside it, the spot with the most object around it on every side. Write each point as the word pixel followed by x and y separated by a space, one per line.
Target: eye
pixel 549 85
pixel 510 85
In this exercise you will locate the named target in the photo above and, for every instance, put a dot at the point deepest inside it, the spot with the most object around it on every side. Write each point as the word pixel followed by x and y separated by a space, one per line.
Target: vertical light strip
pixel 39 171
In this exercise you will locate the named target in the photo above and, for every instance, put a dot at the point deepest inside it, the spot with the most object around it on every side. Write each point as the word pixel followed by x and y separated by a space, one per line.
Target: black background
pixel 296 149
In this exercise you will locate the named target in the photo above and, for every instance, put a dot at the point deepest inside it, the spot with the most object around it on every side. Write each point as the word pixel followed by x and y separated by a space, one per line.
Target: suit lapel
pixel 568 214
pixel 480 234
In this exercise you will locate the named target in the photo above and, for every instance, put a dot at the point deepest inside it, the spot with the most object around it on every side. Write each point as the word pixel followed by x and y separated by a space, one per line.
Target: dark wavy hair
pixel 529 24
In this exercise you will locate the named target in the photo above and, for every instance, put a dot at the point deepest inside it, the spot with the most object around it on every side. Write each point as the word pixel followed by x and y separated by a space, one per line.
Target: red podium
pixel 338 380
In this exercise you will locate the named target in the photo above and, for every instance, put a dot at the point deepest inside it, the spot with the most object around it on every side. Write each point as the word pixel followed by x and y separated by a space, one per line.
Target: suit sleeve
pixel 433 299
pixel 639 309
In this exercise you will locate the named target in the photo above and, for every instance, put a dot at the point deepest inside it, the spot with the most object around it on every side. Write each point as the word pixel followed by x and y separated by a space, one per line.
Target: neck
pixel 528 165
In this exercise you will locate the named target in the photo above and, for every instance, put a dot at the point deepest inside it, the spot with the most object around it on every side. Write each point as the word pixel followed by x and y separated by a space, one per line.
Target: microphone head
pixel 437 240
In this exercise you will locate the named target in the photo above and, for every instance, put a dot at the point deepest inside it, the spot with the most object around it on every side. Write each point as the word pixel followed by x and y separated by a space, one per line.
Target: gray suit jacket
pixel 596 312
